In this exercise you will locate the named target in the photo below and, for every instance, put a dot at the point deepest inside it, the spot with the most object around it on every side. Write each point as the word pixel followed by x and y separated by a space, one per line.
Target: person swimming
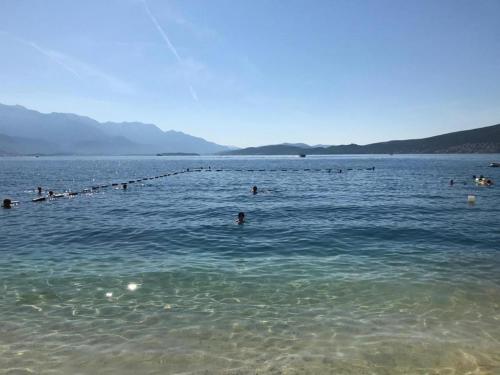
pixel 451 182
pixel 241 218
pixel 7 203
pixel 254 190
pixel 39 190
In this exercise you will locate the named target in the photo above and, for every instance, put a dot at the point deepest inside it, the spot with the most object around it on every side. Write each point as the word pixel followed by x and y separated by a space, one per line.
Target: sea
pixel 382 268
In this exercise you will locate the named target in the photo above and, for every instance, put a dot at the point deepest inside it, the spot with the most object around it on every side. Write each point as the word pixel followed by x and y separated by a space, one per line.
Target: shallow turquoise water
pixel 388 271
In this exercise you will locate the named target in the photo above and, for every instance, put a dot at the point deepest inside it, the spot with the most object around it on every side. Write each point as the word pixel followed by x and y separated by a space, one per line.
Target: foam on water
pixel 364 272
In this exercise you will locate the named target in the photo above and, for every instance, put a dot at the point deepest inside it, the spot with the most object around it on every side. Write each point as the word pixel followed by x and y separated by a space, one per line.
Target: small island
pixel 177 154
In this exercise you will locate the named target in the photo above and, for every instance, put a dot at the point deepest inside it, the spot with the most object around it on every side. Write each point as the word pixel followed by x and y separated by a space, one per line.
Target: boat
pixel 302 155
pixel 495 164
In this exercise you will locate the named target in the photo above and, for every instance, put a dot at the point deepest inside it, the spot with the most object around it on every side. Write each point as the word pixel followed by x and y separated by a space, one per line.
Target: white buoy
pixel 471 199
pixel 109 294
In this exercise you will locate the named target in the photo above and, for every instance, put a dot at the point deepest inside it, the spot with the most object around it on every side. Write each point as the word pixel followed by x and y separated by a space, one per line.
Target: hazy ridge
pixel 25 131
pixel 480 140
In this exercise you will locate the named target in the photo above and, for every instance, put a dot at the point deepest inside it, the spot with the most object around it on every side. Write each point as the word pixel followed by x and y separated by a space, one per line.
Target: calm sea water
pixel 388 271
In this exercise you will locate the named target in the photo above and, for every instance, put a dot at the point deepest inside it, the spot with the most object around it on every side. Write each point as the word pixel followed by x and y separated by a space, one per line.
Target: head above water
pixel 254 189
pixel 241 217
pixel 7 203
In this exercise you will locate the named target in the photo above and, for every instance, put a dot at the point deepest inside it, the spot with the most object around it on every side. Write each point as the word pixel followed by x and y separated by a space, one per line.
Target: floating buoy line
pixel 8 203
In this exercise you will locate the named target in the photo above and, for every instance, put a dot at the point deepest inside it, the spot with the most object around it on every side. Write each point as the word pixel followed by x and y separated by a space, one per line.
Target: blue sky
pixel 259 72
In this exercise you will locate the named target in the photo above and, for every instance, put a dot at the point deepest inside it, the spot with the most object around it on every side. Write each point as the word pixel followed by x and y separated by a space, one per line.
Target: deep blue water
pixel 363 272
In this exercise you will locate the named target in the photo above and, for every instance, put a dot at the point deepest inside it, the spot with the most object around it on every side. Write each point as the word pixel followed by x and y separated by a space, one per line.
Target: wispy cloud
pixel 54 56
pixel 193 93
pixel 77 68
pixel 170 46
pixel 86 70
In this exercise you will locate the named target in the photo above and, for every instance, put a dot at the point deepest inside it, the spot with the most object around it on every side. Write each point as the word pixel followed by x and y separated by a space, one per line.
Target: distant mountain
pixel 304 145
pixel 18 145
pixel 282 149
pixel 24 131
pixel 480 140
pixel 300 145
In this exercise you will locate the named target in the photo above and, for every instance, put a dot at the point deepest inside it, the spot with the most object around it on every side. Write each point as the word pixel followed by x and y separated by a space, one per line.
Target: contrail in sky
pixel 79 69
pixel 51 55
pixel 54 56
pixel 170 46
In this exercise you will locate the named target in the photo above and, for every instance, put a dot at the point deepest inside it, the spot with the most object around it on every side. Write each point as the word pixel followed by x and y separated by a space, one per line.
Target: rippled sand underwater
pixel 369 272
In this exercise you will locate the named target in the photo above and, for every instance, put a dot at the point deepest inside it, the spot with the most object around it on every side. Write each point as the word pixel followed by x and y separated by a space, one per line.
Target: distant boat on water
pixel 302 155
pixel 495 164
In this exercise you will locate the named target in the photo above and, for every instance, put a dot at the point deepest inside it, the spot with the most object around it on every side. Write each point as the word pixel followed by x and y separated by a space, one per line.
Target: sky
pixel 256 72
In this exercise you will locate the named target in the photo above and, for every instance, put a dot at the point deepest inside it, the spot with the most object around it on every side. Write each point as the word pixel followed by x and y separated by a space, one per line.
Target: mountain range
pixel 480 140
pixel 24 131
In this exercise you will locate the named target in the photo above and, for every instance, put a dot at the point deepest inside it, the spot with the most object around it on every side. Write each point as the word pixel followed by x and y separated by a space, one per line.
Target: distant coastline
pixel 485 140
pixel 177 154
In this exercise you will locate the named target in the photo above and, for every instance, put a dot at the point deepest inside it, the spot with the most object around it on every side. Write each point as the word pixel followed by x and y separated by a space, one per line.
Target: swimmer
pixel 241 218
pixel 124 186
pixel 254 190
pixel 39 190
pixel 7 203
pixel 51 193
pixel 451 182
